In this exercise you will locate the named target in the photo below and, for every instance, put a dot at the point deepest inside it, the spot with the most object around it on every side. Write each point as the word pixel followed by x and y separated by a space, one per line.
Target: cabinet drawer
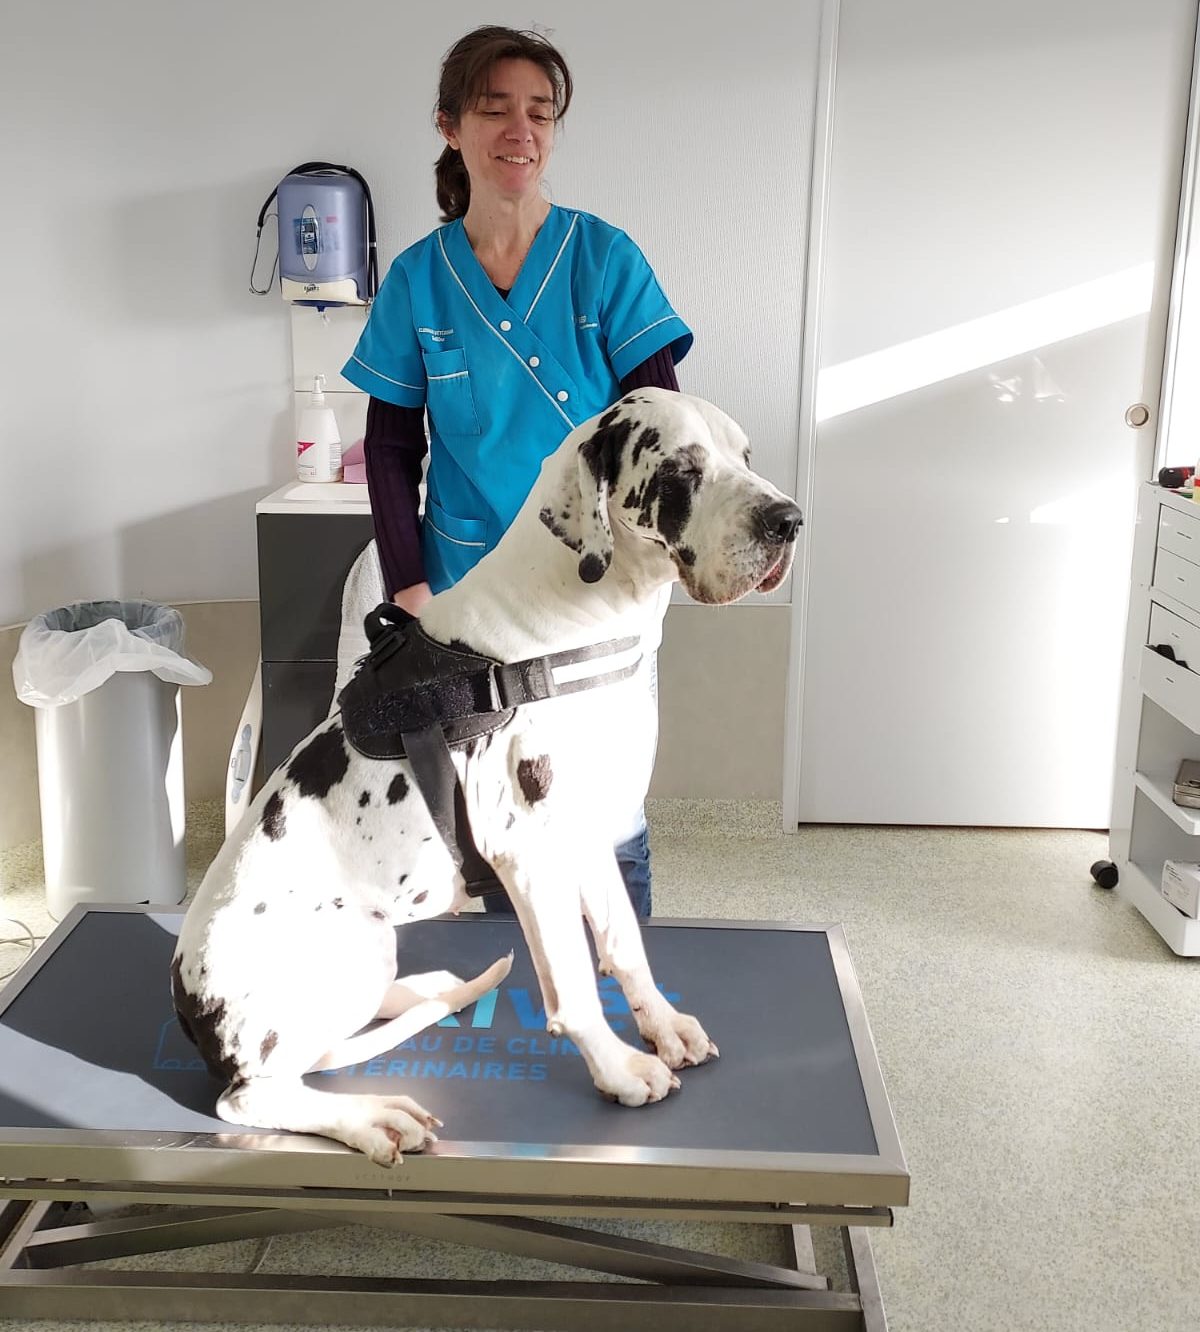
pixel 1177 577
pixel 1173 688
pixel 1179 533
pixel 1174 631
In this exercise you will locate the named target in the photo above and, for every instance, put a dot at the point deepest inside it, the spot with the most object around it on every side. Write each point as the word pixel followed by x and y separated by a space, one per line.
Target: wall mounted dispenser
pixel 327 253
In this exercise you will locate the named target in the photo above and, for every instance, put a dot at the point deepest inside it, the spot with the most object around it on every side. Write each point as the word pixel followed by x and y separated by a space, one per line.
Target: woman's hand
pixel 413 598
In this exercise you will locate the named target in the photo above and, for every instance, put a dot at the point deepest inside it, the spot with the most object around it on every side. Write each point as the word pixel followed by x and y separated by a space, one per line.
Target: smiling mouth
pixel 517 161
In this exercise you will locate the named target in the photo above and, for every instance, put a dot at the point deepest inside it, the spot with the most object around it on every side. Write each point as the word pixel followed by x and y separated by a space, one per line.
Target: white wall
pixel 146 392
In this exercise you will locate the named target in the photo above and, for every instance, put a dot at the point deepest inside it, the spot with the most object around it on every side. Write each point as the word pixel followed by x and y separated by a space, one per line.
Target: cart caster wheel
pixel 1105 873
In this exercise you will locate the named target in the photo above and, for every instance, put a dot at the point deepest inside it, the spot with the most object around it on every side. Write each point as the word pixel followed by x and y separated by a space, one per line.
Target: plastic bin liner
pixel 66 653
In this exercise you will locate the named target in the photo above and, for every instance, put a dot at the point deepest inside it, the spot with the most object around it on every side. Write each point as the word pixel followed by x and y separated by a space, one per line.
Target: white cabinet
pixel 1160 711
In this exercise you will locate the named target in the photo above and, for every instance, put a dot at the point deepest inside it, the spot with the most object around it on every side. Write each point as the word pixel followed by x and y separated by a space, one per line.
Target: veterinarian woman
pixel 509 326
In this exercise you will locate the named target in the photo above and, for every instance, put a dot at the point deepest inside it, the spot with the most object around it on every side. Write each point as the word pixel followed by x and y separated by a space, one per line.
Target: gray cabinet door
pixel 303 560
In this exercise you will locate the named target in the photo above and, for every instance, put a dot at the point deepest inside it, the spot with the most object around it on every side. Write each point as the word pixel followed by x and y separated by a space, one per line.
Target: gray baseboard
pixel 722 690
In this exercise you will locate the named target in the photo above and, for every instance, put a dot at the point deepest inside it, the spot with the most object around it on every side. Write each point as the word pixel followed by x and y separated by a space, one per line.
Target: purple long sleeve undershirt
pixel 395 448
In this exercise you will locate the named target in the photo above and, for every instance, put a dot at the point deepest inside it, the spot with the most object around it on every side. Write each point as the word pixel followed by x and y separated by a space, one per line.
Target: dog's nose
pixel 779 521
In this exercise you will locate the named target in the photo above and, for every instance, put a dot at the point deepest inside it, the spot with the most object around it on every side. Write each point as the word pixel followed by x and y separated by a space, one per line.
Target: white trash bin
pixel 104 679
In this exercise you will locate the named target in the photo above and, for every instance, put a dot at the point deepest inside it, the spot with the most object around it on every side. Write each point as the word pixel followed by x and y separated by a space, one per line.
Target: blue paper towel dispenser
pixel 327 253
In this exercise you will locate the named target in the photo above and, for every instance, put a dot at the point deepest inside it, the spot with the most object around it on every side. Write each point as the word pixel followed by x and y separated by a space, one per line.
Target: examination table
pixel 103 1100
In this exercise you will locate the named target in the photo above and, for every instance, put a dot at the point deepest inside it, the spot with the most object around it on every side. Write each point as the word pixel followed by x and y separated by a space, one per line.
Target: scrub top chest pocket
pixel 450 400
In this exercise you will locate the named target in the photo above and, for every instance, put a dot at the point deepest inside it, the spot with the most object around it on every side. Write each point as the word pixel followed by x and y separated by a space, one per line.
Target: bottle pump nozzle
pixel 318 391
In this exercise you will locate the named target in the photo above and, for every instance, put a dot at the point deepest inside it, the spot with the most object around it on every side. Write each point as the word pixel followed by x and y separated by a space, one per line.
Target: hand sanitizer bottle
pixel 318 444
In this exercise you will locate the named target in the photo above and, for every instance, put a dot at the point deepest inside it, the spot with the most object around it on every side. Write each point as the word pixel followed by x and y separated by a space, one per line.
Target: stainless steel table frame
pixel 763 1142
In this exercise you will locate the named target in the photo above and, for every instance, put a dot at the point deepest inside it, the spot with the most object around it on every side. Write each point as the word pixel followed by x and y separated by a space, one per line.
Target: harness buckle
pixel 495 693
pixel 386 645
pixel 524 682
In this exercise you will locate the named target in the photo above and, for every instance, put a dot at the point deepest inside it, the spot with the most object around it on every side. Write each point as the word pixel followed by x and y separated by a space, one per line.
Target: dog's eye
pixel 746 455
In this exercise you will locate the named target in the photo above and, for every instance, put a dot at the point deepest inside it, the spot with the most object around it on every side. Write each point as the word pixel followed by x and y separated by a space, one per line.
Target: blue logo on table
pixel 174 1052
pixel 459 1046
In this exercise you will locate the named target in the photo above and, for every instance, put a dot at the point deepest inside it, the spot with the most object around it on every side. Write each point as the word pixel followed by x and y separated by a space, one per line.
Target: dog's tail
pixel 414 1003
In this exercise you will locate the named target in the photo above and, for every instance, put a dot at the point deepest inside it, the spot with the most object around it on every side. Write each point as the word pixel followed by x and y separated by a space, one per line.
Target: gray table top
pixel 91 1056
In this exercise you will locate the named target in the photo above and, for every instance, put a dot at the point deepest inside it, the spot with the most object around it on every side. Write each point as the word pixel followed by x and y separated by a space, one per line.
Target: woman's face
pixel 507 137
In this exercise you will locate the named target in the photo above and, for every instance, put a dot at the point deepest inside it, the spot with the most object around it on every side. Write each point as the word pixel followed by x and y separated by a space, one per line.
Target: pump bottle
pixel 318 443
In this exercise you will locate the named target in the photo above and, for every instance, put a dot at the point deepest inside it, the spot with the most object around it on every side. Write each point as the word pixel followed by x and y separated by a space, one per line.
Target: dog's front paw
pixel 395 1125
pixel 635 1078
pixel 679 1039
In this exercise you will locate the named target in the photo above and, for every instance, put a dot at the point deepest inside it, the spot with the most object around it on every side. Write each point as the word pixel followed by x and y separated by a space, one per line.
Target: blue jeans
pixel 633 859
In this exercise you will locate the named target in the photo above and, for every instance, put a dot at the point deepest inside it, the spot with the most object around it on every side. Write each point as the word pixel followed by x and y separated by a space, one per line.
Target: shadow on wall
pixel 150 558
pixel 191 250
pixel 170 547
pixel 20 820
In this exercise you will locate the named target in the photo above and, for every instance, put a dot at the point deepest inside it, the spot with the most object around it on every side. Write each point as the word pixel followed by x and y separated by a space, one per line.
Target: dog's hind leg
pixel 409 1006
pixel 381 1127
pixel 678 1037
pixel 329 981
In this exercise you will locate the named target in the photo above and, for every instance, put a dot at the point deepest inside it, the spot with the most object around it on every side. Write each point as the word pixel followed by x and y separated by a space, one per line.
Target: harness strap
pixel 532 680
pixel 433 769
pixel 430 758
pixel 437 695
pixel 485 686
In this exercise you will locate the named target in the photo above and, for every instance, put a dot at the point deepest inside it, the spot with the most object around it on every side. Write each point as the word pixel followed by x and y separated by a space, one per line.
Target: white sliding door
pixel 1003 197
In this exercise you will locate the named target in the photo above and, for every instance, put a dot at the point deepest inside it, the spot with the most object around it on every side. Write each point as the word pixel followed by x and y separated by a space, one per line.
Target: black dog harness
pixel 413 697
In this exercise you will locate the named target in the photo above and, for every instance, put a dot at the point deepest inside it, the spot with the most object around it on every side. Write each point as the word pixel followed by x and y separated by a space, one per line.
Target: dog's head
pixel 663 473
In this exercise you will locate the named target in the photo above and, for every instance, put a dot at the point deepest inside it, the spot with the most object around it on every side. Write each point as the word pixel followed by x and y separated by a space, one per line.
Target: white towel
pixel 362 592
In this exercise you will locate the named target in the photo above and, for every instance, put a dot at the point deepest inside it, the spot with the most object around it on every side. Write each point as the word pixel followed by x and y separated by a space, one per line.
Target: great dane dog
pixel 286 961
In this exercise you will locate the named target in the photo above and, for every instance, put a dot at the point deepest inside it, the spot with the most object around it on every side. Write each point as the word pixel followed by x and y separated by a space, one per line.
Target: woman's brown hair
pixel 464 80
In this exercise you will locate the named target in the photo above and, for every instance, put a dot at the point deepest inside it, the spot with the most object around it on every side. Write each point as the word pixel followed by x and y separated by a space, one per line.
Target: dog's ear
pixel 581 520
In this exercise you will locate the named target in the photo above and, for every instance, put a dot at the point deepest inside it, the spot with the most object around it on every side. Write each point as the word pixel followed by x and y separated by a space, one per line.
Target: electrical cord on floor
pixel 260 1254
pixel 30 940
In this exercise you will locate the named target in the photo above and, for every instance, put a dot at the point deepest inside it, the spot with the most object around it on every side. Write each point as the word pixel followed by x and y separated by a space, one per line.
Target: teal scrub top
pixel 504 380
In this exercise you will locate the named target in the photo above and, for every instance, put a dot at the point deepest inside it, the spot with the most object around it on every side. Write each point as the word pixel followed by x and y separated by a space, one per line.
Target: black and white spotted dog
pixel 289 950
